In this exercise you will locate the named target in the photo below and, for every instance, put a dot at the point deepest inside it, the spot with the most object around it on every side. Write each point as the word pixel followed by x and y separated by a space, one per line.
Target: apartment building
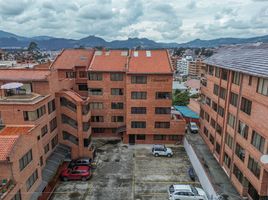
pixel 195 68
pixel 233 115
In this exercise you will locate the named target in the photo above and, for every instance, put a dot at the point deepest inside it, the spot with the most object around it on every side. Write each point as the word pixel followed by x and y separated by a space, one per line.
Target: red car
pixel 76 173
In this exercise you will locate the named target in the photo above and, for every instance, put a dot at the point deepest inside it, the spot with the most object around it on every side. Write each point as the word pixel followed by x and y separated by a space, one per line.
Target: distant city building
pixel 183 65
pixel 195 68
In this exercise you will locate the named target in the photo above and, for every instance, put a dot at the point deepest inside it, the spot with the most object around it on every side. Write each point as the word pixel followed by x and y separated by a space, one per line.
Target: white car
pixel 193 128
pixel 161 150
pixel 186 192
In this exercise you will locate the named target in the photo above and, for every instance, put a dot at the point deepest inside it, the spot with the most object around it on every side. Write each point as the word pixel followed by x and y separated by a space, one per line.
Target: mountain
pixel 10 40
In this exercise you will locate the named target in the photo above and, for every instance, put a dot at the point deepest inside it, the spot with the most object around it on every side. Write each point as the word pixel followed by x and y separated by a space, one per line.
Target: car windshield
pixel 194 190
pixel 193 126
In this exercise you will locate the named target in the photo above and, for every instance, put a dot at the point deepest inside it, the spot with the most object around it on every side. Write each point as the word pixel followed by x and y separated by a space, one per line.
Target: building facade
pixel 233 116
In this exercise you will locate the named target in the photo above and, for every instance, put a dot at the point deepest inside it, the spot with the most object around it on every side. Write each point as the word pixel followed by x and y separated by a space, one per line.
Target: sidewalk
pixel 218 177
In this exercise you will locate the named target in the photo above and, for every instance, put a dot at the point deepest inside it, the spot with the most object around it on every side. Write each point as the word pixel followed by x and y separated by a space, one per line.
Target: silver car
pixel 186 192
pixel 161 150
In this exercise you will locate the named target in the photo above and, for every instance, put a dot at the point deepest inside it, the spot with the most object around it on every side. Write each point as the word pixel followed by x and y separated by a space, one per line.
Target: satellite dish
pixel 264 159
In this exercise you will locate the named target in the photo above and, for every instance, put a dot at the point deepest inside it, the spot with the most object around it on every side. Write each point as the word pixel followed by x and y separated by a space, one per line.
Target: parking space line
pixel 174 182
pixel 154 194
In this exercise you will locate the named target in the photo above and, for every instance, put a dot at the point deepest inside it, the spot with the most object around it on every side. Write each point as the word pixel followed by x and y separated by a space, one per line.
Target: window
pixel 140 137
pixel 205 131
pixel 214 106
pixel 174 137
pixel 85 108
pixel 249 80
pixel 162 95
pixel 233 99
pixel 138 110
pixel 224 74
pixel 218 148
pixel 254 167
pixel 34 115
pixel 138 95
pixel 162 110
pixel 262 87
pixel 258 141
pixel 67 120
pixel 17 196
pixel 240 152
pixel 87 141
pixel 69 137
pixel 211 139
pixel 222 93
pixel 202 113
pixel 138 124
pixel 117 119
pixel 238 174
pixel 98 130
pixel 70 74
pixel 236 78
pixel 139 79
pixel 53 124
pixel 86 126
pixel 216 90
pixel 221 111
pixel 46 148
pixel 246 105
pixel 227 160
pixel 25 160
pixel 212 122
pixel 211 70
pixel 94 76
pixel 229 140
pixel 218 129
pixel 51 106
pixel 160 137
pixel 44 130
pixel 207 116
pixel 96 105
pixel 82 87
pixel 117 105
pixel 82 74
pixel 208 101
pixel 116 77
pixel 231 120
pixel 162 124
pixel 97 118
pixel 217 72
pixel 54 142
pixel 243 129
pixel 203 98
pixel 95 91
pixel 31 180
pixel 68 104
pixel 117 91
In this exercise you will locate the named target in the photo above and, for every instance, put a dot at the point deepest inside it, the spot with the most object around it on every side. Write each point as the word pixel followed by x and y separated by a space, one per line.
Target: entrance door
pixel 131 139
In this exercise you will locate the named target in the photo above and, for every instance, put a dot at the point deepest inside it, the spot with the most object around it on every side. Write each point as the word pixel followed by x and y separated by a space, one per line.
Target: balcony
pixel 21 98
pixel 6 185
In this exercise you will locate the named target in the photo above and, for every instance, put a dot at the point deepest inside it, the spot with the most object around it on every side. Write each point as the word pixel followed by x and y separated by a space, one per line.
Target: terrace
pixel 6 185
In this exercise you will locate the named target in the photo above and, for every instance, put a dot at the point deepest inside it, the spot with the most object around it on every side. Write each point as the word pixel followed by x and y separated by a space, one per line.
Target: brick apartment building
pixel 109 93
pixel 195 68
pixel 233 114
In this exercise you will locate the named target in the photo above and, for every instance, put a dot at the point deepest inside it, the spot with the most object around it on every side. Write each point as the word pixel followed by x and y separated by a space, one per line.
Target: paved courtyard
pixel 128 173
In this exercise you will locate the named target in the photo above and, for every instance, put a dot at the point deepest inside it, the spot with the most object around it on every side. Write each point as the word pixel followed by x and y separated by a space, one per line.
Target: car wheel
pixel 65 179
pixel 169 155
pixel 84 178
pixel 156 155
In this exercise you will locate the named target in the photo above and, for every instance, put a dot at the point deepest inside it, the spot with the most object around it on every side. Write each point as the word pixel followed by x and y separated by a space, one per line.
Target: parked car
pixel 76 173
pixel 192 127
pixel 161 150
pixel 186 192
pixel 80 162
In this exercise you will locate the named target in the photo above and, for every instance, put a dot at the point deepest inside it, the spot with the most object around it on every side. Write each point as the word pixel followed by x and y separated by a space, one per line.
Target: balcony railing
pixel 20 98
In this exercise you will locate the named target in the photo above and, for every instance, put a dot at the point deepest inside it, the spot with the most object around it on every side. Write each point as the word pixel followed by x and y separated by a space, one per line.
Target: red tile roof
pixel 157 62
pixel 23 75
pixel 70 58
pixel 15 130
pixel 112 60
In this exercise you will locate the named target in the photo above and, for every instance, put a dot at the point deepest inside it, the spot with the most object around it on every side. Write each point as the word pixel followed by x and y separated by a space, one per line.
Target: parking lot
pixel 128 173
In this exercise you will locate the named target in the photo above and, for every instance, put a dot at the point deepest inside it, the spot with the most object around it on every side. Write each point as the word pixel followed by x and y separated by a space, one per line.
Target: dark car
pixel 76 173
pixel 80 162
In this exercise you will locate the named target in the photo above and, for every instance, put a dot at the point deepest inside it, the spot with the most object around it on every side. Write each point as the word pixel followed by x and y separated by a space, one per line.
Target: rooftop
pixel 249 59
pixel 23 75
pixel 70 58
pixel 111 60
pixel 149 61
pixel 187 112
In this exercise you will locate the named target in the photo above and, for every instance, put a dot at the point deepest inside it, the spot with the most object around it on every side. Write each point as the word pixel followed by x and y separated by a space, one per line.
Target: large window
pixel 236 78
pixel 216 89
pixel 17 196
pixel 138 124
pixel 222 93
pixel 138 95
pixel 46 148
pixel 160 137
pixel 68 104
pixel 229 140
pixel 95 91
pixel 117 119
pixel 231 120
pixel 117 105
pixel 263 86
pixel 212 123
pixel 34 115
pixel 214 106
pixel 243 129
pixel 82 74
pixel 140 137
pixel 246 105
pixel 227 160
pixel 258 141
pixel 98 130
pixel 233 99
pixel 51 106
pixel 162 95
pixel 54 142
pixel 254 167
pixel 97 118
pixel 117 91
pixel 44 130
pixel 218 129
pixel 205 131
pixel 221 111
pixel 217 72
pixel 207 117
pixel 238 174
pixel 31 180
pixel 138 110
pixel 162 110
pixel 208 101
pixel 139 79
pixel 218 148
pixel 82 87
pixel 96 105
pixel 211 139
pixel 70 74
pixel 240 152
pixel 69 137
pixel 116 77
pixel 211 70
pixel 94 76
pixel 25 160
pixel 224 74
pixel 86 126
pixel 67 120
pixel 53 124
pixel 162 125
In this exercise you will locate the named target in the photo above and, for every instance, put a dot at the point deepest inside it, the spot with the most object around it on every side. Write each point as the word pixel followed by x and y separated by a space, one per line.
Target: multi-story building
pixel 195 68
pixel 233 114
pixel 183 65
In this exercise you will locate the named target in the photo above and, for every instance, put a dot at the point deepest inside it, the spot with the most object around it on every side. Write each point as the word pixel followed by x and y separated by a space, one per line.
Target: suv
pixel 161 150
pixel 77 173
pixel 80 162
pixel 193 128
pixel 186 192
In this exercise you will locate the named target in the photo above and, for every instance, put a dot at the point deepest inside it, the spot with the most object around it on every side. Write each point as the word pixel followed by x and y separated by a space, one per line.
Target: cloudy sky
pixel 160 20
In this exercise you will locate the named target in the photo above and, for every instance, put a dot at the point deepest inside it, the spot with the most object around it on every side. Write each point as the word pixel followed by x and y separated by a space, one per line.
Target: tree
pixel 181 98
pixel 33 46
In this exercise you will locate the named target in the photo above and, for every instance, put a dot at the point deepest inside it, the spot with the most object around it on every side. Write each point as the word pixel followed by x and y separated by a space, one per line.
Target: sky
pixel 160 20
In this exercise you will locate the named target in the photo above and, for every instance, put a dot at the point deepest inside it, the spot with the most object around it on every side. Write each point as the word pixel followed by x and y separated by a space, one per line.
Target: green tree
pixel 33 46
pixel 181 98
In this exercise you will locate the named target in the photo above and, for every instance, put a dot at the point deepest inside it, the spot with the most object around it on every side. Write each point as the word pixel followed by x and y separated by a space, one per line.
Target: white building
pixel 183 65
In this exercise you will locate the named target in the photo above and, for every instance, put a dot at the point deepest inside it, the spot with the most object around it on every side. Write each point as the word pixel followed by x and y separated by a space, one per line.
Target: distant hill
pixel 10 40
